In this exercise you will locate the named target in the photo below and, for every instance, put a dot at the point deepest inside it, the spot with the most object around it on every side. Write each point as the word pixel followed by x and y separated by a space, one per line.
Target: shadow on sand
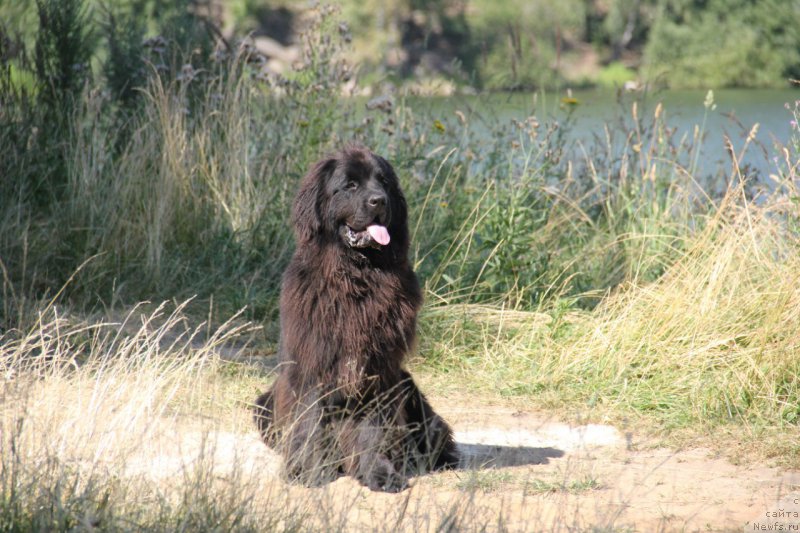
pixel 485 456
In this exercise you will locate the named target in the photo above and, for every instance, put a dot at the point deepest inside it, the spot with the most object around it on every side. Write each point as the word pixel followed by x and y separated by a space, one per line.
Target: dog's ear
pixel 307 208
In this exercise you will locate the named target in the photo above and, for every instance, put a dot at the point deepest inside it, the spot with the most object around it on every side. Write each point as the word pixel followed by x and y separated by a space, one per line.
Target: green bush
pixel 729 44
pixel 615 75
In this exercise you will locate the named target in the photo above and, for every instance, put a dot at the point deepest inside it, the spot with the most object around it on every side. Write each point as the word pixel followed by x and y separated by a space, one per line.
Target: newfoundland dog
pixel 342 402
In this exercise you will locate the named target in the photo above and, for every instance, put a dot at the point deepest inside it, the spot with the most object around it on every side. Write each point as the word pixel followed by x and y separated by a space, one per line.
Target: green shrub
pixel 615 75
pixel 753 46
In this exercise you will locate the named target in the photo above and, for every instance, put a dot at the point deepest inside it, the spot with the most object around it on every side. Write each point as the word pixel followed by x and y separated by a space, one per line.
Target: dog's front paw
pixel 383 477
pixel 310 475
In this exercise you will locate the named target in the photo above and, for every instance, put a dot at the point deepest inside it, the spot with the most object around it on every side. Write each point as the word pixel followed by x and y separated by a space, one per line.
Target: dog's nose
pixel 377 200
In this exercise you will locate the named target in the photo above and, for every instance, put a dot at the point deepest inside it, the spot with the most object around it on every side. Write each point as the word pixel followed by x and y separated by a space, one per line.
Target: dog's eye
pixel 351 186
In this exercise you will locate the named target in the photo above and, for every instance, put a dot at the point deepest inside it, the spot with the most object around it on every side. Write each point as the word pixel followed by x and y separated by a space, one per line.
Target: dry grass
pixel 140 425
pixel 81 402
pixel 712 345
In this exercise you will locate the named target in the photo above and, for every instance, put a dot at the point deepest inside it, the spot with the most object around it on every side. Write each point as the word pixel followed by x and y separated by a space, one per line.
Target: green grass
pixel 711 343
pixel 573 487
pixel 485 481
pixel 489 481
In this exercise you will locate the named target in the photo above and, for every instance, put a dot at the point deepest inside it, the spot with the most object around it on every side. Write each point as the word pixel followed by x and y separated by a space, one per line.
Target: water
pixel 736 112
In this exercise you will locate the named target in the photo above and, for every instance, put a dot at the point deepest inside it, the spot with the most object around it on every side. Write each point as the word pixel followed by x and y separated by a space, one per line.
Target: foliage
pixel 501 45
pixel 64 45
pixel 615 75
pixel 186 188
pixel 524 40
pixel 63 49
pixel 753 46
pixel 177 180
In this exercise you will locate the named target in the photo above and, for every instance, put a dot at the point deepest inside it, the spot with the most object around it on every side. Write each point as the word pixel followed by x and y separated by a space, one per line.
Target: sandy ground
pixel 522 472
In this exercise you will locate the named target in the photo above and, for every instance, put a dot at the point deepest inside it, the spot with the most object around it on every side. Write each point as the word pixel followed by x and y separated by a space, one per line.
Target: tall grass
pixel 176 181
pixel 140 425
pixel 80 403
pixel 178 184
pixel 711 344
pixel 537 220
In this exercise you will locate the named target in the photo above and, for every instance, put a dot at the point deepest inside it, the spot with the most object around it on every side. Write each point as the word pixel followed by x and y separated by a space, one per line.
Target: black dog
pixel 342 402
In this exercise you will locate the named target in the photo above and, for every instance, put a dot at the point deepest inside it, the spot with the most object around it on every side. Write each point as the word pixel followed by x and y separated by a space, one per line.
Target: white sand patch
pixel 550 435
pixel 178 453
pixel 226 452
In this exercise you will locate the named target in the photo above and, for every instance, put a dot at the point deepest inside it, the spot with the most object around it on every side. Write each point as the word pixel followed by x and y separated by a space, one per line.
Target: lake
pixel 736 111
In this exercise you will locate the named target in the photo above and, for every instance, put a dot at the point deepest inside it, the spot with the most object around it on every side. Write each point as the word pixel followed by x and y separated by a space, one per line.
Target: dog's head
pixel 352 198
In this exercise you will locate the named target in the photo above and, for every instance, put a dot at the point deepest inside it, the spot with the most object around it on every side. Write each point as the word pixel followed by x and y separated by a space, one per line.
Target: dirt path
pixel 606 482
pixel 522 472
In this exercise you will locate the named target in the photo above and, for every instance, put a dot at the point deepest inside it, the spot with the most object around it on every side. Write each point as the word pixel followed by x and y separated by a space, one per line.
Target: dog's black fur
pixel 342 402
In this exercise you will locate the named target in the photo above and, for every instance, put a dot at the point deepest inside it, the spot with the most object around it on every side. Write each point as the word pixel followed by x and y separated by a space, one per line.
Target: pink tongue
pixel 379 233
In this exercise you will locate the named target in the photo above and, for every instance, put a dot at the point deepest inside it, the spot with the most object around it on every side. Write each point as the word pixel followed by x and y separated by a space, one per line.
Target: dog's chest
pixel 371 314
pixel 368 323
pixel 345 326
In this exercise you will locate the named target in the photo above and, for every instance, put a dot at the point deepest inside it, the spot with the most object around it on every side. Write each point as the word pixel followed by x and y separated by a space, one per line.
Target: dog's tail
pixel 264 416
